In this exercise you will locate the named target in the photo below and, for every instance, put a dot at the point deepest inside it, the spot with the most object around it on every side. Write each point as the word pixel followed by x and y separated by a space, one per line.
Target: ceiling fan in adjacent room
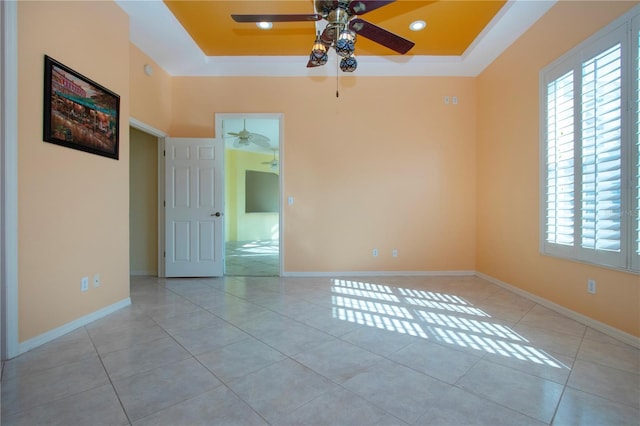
pixel 274 162
pixel 340 31
pixel 245 138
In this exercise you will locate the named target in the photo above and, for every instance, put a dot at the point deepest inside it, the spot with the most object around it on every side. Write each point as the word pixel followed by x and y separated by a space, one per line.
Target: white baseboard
pixel 589 322
pixel 34 342
pixel 143 273
pixel 381 274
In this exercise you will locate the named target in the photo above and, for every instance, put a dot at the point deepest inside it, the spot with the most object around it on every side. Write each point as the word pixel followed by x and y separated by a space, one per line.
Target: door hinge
pixel 164 254
pixel 164 204
pixel 164 152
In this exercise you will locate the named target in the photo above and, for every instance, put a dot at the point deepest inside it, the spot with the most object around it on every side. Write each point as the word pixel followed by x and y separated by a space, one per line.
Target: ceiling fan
pixel 245 138
pixel 274 162
pixel 340 32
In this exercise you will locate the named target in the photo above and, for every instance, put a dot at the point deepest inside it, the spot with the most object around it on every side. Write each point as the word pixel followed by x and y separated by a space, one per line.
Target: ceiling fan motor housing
pixel 337 19
pixel 324 7
pixel 338 16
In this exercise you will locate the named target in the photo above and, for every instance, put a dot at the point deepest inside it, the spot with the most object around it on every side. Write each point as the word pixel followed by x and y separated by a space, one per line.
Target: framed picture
pixel 78 112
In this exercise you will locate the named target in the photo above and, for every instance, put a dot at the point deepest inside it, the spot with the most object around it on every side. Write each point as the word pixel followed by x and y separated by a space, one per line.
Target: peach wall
pixel 73 206
pixel 150 94
pixel 386 165
pixel 508 174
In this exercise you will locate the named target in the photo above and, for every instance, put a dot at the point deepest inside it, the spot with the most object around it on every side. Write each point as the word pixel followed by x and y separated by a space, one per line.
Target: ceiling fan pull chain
pixel 337 83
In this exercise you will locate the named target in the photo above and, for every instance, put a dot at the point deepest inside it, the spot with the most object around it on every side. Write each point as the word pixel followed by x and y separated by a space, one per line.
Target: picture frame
pixel 78 112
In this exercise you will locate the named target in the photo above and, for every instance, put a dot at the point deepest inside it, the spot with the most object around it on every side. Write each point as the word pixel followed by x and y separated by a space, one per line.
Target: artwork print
pixel 79 113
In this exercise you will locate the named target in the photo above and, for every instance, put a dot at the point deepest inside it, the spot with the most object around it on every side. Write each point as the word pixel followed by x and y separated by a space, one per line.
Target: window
pixel 590 149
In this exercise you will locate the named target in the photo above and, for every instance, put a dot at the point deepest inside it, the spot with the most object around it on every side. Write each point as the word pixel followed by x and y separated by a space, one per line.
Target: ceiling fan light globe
pixel 319 53
pixel 348 64
pixel 347 34
pixel 344 47
pixel 320 59
pixel 318 47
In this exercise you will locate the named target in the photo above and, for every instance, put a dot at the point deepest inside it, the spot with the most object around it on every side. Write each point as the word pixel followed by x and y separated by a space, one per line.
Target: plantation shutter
pixel 590 149
pixel 601 154
pixel 560 185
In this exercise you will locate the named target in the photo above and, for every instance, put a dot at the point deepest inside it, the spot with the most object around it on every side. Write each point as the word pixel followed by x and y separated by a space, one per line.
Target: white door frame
pixel 219 118
pixel 9 346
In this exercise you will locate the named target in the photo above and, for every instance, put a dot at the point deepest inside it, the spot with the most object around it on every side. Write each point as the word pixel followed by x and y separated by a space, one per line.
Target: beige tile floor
pixel 259 258
pixel 323 351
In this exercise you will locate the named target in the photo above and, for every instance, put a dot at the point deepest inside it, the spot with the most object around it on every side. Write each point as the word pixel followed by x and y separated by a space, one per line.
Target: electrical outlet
pixel 374 252
pixel 96 280
pixel 394 253
pixel 84 284
pixel 591 286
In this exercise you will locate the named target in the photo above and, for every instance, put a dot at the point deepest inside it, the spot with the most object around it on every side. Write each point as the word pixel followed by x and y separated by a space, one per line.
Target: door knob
pixel 216 214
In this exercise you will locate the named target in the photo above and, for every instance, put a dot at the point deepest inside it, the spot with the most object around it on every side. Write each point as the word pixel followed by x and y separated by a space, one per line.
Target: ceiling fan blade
pixel 233 134
pixel 328 35
pixel 311 64
pixel 260 140
pixel 360 7
pixel 262 144
pixel 238 143
pixel 307 17
pixel 381 36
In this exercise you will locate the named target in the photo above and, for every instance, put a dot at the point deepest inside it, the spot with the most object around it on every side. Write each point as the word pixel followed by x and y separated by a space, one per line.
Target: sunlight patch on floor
pixel 444 318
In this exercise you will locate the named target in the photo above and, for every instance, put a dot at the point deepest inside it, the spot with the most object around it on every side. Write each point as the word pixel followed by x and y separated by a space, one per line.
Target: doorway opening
pixel 142 139
pixel 143 203
pixel 253 201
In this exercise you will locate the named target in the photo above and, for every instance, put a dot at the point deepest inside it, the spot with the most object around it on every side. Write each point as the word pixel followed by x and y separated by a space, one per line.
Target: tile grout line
pixel 195 357
pixel 291 358
pixel 584 336
pixel 39 372
pixel 566 383
pixel 286 316
pixel 152 303
pixel 115 391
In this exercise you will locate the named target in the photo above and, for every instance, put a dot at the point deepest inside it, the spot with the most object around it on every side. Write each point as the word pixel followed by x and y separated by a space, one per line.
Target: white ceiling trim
pixel 157 32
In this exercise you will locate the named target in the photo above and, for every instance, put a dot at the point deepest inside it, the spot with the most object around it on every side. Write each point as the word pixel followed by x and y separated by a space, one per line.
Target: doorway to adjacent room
pixel 253 201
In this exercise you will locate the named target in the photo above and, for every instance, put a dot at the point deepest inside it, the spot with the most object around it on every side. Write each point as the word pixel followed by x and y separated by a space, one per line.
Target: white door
pixel 194 208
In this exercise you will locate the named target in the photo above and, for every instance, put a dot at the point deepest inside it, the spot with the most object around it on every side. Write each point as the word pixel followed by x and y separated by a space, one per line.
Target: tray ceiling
pixel 200 38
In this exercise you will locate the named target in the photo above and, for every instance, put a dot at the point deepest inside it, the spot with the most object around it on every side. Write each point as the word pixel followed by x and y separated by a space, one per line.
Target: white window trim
pixel 634 185
pixel 625 30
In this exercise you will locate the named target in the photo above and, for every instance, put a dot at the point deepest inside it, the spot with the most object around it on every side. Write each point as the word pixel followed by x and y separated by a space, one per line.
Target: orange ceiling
pixel 452 25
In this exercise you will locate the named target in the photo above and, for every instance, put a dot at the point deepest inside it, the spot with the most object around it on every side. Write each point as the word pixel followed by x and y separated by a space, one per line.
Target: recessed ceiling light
pixel 417 25
pixel 264 25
